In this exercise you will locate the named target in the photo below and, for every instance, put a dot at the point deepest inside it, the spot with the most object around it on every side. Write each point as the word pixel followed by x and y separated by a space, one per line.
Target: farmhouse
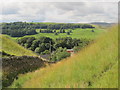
pixel 70 51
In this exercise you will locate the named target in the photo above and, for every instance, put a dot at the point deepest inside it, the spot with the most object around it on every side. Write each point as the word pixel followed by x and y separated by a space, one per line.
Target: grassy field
pixel 96 66
pixel 11 47
pixel 77 33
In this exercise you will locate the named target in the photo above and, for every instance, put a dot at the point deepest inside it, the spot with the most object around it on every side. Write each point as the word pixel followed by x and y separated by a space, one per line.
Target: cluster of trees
pixel 46 45
pixel 61 26
pixel 18 29
pixel 46 31
pixel 56 32
pixel 52 31
pixel 67 42
pixel 81 45
pixel 37 45
pixel 68 32
pixel 19 32
pixel 59 54
pixel 22 25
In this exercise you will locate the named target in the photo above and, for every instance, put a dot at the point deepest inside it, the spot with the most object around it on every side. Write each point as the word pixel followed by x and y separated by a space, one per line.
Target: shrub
pixel 14 66
pixel 37 50
pixel 59 54
pixel 46 52
pixel 56 33
pixel 68 33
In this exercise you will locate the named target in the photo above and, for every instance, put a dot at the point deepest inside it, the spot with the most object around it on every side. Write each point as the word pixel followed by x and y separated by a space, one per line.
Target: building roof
pixel 69 49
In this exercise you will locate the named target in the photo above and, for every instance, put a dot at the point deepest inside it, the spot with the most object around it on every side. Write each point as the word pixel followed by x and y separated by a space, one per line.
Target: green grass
pixel 77 33
pixel 11 47
pixel 95 66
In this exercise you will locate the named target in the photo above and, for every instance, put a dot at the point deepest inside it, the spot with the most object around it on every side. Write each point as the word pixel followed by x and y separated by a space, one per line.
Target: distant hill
pixel 12 48
pixel 96 66
pixel 103 24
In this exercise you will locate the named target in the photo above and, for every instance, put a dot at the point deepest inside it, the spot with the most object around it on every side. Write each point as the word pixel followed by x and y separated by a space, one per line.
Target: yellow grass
pixel 11 47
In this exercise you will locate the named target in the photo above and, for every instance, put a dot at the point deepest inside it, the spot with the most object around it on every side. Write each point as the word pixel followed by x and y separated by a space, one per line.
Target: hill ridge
pixel 11 47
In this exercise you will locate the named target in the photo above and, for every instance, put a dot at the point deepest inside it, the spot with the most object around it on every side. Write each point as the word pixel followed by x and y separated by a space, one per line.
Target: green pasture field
pixel 76 33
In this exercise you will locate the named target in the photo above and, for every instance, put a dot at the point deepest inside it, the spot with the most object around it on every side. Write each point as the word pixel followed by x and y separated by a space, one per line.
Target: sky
pixel 62 11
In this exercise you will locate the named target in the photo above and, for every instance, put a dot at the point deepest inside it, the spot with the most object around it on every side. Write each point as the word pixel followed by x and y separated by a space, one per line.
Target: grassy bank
pixel 11 47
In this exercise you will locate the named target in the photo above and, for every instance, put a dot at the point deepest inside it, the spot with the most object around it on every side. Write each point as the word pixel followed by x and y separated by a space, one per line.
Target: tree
pixel 68 33
pixel 92 31
pixel 42 47
pixel 60 54
pixel 40 31
pixel 56 33
pixel 37 50
pixel 45 40
pixel 23 40
pixel 30 39
pixel 46 52
pixel 35 44
pixel 27 45
pixel 63 31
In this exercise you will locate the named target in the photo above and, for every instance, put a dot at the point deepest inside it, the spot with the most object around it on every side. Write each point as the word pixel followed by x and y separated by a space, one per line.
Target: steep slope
pixel 95 66
pixel 11 47
pixel 24 60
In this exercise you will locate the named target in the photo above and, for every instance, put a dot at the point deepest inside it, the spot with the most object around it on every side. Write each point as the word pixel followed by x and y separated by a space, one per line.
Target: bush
pixel 46 52
pixel 76 49
pixel 56 33
pixel 68 33
pixel 60 54
pixel 37 50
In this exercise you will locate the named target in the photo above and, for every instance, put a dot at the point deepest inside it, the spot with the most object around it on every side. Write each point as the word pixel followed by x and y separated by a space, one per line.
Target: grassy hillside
pixel 96 66
pixel 11 47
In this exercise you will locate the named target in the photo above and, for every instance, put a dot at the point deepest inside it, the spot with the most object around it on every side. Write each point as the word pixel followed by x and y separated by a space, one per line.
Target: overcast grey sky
pixel 78 12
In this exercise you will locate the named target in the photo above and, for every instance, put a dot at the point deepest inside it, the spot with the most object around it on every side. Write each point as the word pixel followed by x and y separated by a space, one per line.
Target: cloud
pixel 60 11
